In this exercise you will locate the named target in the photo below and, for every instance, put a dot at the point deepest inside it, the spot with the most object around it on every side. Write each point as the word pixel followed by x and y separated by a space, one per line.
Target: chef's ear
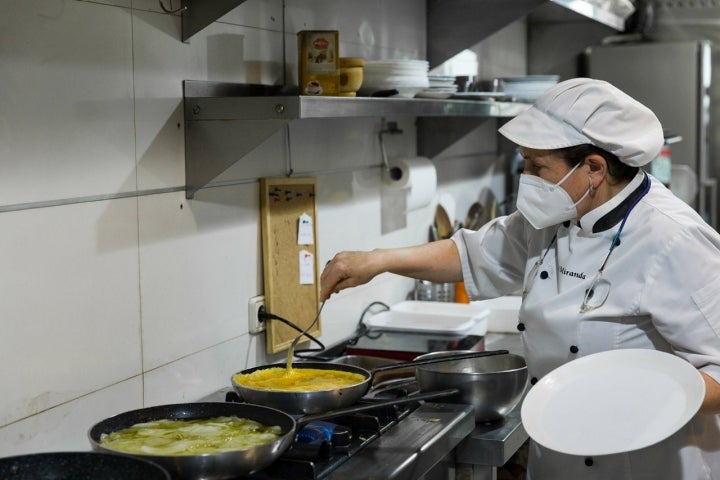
pixel 597 164
pixel 597 169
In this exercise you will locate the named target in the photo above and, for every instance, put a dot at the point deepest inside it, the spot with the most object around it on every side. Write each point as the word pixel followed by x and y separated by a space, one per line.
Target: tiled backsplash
pixel 113 303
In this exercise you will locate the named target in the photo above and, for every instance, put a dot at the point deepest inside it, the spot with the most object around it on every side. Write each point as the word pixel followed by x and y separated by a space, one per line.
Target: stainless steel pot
pixel 312 402
pixel 493 385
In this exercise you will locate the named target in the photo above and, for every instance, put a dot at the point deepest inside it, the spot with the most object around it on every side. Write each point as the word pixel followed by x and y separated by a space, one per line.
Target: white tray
pixel 440 317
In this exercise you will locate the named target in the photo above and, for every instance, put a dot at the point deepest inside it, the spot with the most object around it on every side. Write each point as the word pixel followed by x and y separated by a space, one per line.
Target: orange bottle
pixel 461 295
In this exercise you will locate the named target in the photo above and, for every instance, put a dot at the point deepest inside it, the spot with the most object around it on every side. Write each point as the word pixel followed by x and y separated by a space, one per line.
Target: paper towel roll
pixel 418 176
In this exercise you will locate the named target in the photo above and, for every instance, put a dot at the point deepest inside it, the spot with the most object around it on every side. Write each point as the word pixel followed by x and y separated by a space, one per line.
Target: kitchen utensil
pixel 370 363
pixel 432 291
pixel 448 203
pixel 79 466
pixel 443 223
pixel 612 402
pixel 433 233
pixel 493 385
pixel 487 199
pixel 473 216
pixel 318 401
pixel 234 463
pixel 294 343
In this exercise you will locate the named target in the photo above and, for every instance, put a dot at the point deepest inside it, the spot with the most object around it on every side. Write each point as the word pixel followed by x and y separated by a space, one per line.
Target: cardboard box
pixel 318 62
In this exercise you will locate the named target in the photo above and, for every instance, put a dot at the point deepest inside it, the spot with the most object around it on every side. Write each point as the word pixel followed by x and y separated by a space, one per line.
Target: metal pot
pixel 493 385
pixel 225 465
pixel 311 402
pixel 79 466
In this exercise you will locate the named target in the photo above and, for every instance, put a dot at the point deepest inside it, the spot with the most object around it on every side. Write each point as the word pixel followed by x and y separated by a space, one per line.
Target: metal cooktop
pixel 402 444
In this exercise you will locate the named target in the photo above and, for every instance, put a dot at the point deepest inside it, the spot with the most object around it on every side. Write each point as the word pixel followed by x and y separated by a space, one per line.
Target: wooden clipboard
pixel 283 201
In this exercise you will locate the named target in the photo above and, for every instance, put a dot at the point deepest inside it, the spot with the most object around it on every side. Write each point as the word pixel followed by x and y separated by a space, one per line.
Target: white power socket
pixel 254 304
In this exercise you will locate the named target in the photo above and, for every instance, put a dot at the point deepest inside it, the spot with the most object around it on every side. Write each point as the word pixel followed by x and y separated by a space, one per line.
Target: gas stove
pixel 403 442
pixel 398 442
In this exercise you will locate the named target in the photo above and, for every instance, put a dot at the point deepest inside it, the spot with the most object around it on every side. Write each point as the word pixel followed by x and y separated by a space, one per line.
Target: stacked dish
pixel 408 77
pixel 529 87
pixel 441 86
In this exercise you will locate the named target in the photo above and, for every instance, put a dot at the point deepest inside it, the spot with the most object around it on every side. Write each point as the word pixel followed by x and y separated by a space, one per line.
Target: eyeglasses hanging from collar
pixel 599 290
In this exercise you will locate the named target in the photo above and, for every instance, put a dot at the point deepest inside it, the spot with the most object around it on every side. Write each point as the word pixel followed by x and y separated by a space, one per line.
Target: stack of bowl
pixel 408 77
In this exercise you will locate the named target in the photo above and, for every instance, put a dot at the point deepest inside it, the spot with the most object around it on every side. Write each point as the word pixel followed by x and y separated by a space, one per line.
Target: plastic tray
pixel 423 316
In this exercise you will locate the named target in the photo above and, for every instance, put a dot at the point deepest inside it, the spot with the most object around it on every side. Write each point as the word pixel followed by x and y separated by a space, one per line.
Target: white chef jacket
pixel 665 295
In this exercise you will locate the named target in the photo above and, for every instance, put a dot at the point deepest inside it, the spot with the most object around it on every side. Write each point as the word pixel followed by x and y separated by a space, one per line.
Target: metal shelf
pixel 224 122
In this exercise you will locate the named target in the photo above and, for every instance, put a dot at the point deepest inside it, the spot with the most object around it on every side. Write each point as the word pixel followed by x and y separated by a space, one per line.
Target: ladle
pixel 473 216
pixel 444 226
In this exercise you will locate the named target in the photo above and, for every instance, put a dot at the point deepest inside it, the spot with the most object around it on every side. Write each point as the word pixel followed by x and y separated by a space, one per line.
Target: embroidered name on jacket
pixel 564 271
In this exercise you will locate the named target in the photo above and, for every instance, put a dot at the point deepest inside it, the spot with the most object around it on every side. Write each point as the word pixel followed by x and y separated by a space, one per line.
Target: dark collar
pixel 614 216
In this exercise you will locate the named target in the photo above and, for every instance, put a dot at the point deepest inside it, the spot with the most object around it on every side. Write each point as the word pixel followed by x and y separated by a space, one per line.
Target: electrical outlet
pixel 254 305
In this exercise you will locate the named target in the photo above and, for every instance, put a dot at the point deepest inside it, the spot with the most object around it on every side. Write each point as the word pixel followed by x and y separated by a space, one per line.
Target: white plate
pixel 612 402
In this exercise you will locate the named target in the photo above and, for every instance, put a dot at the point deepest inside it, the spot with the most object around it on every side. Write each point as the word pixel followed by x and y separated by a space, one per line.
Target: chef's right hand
pixel 347 269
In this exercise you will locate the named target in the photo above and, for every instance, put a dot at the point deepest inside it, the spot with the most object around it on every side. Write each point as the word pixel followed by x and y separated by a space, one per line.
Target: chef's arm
pixel 711 403
pixel 435 261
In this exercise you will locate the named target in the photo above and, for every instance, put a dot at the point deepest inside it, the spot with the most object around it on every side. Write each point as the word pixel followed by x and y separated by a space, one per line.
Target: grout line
pixel 157 191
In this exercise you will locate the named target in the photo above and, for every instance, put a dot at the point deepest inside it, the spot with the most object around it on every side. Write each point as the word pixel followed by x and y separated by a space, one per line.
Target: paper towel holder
pixel 394 173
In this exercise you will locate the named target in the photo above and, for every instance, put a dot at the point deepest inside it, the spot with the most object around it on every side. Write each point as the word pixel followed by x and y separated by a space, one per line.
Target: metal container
pixel 493 385
pixel 434 292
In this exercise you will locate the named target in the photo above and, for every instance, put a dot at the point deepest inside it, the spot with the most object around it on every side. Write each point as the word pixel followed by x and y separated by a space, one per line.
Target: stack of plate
pixel 408 77
pixel 529 87
pixel 441 86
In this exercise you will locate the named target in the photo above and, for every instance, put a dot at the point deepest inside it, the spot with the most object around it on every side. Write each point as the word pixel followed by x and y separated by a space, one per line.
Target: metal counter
pixel 491 445
pixel 488 447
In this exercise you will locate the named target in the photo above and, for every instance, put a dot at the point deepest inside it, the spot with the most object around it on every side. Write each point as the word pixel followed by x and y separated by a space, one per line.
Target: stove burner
pixel 321 447
pixel 317 458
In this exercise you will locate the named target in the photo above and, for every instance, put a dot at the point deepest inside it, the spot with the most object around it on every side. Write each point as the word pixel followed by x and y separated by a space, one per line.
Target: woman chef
pixel 605 257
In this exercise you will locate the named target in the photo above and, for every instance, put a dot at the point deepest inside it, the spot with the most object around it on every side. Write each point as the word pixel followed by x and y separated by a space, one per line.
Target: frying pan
pixel 231 464
pixel 313 402
pixel 79 466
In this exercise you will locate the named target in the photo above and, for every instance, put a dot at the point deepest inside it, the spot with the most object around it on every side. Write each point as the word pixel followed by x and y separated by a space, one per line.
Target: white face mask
pixel 543 203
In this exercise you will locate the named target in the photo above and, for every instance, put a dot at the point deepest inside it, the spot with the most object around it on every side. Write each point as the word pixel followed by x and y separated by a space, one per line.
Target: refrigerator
pixel 673 79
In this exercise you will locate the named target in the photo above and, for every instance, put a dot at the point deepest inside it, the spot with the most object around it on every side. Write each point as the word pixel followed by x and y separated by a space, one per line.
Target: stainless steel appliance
pixel 673 79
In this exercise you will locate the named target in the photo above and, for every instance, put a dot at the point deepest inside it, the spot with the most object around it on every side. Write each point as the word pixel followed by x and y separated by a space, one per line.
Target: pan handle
pixel 448 358
pixel 371 406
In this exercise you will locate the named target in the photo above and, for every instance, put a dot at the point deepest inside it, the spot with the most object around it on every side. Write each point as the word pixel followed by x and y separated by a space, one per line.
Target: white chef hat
pixel 583 110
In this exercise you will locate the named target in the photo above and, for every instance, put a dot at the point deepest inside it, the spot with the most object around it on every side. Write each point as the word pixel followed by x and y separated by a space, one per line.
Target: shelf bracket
pixel 211 147
pixel 435 134
pixel 198 14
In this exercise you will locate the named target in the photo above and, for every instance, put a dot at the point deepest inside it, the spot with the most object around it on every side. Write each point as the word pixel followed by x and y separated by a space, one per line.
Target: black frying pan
pixel 79 466
pixel 234 463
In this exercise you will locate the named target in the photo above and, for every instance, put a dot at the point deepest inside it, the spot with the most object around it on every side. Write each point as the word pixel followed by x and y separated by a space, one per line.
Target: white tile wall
pixel 198 254
pixel 70 309
pixel 66 96
pixel 113 304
